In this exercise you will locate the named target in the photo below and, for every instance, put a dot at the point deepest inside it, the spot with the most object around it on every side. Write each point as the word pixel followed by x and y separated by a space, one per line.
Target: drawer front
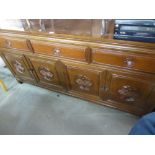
pixel 121 59
pixel 13 43
pixel 61 50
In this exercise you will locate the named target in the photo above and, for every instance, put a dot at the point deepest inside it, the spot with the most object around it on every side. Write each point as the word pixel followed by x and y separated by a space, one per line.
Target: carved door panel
pixel 127 90
pixel 84 80
pixel 45 70
pixel 17 63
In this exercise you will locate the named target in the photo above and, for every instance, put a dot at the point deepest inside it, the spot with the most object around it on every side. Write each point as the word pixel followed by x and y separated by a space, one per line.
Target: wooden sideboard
pixel 118 74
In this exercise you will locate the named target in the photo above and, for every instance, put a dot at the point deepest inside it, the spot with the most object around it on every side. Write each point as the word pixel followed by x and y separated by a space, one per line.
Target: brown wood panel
pixel 60 50
pixel 45 70
pixel 14 43
pixel 131 61
pixel 18 65
pixel 2 42
pixel 62 74
pixel 151 101
pixel 128 90
pixel 84 80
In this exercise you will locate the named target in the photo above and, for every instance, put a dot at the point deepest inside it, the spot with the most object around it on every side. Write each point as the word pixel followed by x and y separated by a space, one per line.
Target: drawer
pixel 131 61
pixel 14 43
pixel 81 53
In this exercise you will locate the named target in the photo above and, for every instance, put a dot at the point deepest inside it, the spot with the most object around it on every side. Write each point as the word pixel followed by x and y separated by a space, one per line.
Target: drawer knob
pixel 129 62
pixel 56 52
pixel 7 44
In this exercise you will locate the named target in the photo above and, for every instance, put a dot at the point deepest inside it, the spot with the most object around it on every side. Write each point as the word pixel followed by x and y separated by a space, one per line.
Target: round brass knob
pixel 7 43
pixel 56 52
pixel 129 62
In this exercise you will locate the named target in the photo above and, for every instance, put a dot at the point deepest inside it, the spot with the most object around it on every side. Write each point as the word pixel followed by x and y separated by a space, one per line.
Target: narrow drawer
pixel 121 59
pixel 62 50
pixel 15 43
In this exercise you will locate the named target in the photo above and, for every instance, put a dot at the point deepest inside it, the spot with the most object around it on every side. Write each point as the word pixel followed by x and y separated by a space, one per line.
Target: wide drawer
pixel 131 61
pixel 81 53
pixel 15 43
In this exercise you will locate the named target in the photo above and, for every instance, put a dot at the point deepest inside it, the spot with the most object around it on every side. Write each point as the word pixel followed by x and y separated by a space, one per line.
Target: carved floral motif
pixel 18 66
pixel 46 73
pixel 83 82
pixel 128 93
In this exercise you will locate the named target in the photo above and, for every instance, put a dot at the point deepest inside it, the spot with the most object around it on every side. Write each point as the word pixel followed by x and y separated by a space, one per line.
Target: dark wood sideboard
pixel 114 73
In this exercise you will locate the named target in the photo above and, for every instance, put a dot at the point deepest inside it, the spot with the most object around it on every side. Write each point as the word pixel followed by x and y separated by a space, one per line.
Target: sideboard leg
pixel 21 82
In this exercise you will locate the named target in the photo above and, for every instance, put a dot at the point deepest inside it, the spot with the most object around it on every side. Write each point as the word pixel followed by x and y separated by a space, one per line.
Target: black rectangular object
pixel 135 30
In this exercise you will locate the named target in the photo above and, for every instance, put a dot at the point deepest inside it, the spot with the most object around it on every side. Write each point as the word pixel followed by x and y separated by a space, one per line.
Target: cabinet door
pixel 45 70
pixel 18 65
pixel 84 80
pixel 127 90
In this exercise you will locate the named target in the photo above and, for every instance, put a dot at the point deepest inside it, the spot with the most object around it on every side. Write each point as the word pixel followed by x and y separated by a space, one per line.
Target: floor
pixel 27 109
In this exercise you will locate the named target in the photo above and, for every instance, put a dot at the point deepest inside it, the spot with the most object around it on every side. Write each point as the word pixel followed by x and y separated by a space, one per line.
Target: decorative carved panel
pixel 83 82
pixel 46 73
pixel 18 66
pixel 128 93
